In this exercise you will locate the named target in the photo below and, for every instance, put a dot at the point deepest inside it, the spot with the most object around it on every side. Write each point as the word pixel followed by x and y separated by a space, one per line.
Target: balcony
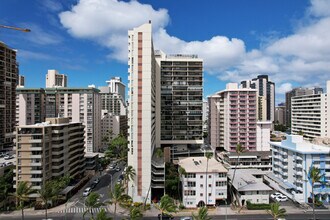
pixel 35 156
pixel 299 173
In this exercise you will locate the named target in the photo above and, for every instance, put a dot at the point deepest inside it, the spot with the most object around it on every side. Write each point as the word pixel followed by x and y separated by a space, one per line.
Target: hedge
pixel 261 206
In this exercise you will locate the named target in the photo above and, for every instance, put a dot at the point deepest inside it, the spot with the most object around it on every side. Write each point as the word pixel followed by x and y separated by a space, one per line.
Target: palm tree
pixel 102 215
pixel 276 211
pixel 202 214
pixel 129 176
pixel 46 194
pixel 23 191
pixel 166 206
pixel 314 176
pixel 4 192
pixel 92 201
pixel 208 156
pixel 182 172
pixel 239 150
pixel 135 213
pixel 117 196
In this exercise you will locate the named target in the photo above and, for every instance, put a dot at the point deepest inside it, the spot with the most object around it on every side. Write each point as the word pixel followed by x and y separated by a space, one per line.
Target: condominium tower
pixel 233 118
pixel 266 96
pixel 297 92
pixel 8 83
pixel 48 150
pixel 54 79
pixel 310 114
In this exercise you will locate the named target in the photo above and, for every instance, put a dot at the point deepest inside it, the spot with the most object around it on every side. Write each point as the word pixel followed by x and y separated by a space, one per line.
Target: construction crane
pixel 15 28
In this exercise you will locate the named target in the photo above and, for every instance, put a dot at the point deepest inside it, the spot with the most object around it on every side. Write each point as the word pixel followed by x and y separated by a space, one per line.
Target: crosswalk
pixel 82 210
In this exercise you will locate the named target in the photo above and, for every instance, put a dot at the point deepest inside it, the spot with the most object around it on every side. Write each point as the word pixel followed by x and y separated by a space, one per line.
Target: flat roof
pixel 245 180
pixel 298 144
pixel 198 165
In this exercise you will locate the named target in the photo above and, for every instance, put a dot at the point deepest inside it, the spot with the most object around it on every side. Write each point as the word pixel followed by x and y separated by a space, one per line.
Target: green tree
pixel 182 172
pixel 117 196
pixel 58 185
pixel 172 180
pixel 6 187
pixel 239 150
pixel 202 214
pixel 118 149
pixel 23 191
pixel 102 215
pixel 166 206
pixel 129 176
pixel 135 213
pixel 47 194
pixel 276 212
pixel 208 156
pixel 91 202
pixel 314 176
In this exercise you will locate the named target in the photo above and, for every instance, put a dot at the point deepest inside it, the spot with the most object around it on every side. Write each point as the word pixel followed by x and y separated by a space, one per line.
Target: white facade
pixel 249 186
pixel 292 159
pixel 54 79
pixel 263 135
pixel 310 114
pixel 141 110
pixel 196 179
pixel 110 127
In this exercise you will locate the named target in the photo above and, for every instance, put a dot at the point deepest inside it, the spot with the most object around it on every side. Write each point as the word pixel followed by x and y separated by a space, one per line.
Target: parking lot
pixel 4 162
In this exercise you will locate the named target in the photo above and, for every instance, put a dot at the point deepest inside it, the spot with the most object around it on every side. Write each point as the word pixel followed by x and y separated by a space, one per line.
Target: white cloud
pixel 283 88
pixel 300 58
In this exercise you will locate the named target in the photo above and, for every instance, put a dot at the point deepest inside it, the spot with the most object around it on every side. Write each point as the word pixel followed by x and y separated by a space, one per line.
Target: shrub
pixel 138 204
pixel 262 206
pixel 181 206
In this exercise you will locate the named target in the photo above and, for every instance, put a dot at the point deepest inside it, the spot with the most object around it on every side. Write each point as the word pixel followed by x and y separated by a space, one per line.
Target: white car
pixel 8 157
pixel 281 198
pixel 96 181
pixel 275 195
pixel 87 191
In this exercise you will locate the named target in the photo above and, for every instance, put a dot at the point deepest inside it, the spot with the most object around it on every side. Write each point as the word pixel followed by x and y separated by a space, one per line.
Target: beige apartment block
pixel 54 79
pixel 47 150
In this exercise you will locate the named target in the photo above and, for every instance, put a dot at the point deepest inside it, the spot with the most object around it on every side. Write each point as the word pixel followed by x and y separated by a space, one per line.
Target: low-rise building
pixel 248 186
pixel 205 180
pixel 248 160
pixel 292 160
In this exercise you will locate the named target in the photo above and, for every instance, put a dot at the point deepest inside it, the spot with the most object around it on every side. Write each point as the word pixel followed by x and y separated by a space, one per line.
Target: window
pixel 201 194
pixel 210 194
pixel 210 176
pixel 220 193
pixel 222 175
pixel 191 184
pixel 190 175
pixel 201 185
pixel 210 185
pixel 189 192
pixel 220 183
pixel 201 176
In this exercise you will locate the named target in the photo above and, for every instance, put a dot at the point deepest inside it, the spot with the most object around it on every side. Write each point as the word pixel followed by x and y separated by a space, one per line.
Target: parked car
pixel 9 163
pixel 275 195
pixel 186 218
pixel 117 169
pixel 281 198
pixel 93 185
pixel 8 157
pixel 96 181
pixel 2 154
pixel 87 191
pixel 164 216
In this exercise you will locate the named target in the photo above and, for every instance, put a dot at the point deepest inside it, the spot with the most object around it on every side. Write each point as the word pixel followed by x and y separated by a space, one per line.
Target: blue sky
pixel 238 39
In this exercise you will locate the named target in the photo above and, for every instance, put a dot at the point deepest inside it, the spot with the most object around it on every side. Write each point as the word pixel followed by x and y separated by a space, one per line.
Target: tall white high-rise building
pixel 54 79
pixel 141 110
pixel 310 114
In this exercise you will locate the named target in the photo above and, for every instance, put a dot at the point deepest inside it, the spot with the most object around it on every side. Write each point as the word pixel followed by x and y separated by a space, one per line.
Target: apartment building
pixel 21 81
pixel 54 79
pixel 30 106
pixel 141 110
pixel 179 102
pixel 77 104
pixel 266 96
pixel 309 114
pixel 233 118
pixel 292 159
pixel 298 92
pixel 8 83
pixel 205 182
pixel 47 150
pixel 280 115
pixel 248 186
pixel 113 97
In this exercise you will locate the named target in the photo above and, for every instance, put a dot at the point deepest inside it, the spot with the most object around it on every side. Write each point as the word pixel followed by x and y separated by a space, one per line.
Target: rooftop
pixel 246 180
pixel 198 165
pixel 298 144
